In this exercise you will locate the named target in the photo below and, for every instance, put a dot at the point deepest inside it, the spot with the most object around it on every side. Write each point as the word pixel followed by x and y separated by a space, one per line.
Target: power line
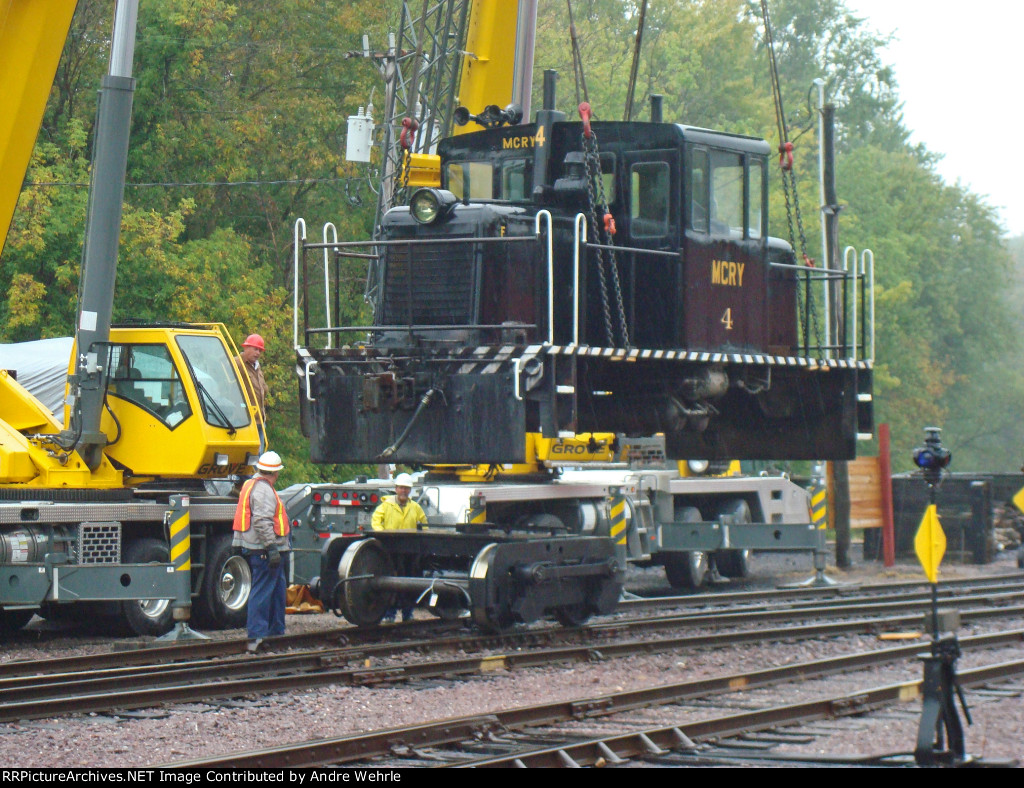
pixel 193 184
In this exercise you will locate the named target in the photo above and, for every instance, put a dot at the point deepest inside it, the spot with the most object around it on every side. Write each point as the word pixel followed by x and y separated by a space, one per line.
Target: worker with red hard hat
pixel 251 373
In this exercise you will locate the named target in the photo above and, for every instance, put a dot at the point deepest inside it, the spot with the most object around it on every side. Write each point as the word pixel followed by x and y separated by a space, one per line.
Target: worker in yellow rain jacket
pixel 395 513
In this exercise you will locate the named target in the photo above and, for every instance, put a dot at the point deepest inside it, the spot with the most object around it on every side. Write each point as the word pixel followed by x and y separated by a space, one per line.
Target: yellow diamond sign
pixel 1018 499
pixel 930 543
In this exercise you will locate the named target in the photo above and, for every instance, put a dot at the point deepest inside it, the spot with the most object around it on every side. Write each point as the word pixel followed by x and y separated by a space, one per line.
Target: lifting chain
pixel 789 180
pixel 788 183
pixel 409 127
pixel 598 203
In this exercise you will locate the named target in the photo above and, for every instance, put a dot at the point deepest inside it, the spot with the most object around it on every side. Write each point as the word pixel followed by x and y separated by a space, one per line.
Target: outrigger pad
pixel 569 578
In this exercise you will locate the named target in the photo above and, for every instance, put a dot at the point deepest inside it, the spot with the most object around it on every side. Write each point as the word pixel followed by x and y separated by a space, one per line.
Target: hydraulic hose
pixel 425 400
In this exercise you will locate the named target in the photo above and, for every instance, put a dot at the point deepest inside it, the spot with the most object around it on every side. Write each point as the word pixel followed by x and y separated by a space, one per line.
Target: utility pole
pixel 837 329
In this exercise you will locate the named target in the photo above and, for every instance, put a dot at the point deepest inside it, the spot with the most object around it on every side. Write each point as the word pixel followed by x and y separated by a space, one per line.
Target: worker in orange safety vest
pixel 261 531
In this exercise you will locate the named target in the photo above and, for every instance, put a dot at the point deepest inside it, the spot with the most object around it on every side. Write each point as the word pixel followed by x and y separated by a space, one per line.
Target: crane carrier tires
pixel 222 598
pixel 149 616
pixel 227 584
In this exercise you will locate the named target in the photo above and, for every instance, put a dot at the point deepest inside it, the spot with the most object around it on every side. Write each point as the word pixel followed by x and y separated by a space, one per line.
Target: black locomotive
pixel 503 304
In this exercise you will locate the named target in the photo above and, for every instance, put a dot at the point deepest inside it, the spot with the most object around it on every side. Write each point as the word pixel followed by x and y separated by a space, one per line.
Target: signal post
pixel 940 737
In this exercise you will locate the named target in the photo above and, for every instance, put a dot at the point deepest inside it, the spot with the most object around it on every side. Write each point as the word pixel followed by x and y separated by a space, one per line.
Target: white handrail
pixel 867 266
pixel 848 269
pixel 580 236
pixel 327 278
pixel 296 245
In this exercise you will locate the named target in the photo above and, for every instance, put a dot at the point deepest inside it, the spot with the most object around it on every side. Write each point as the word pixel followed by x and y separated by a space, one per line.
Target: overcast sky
pixel 959 68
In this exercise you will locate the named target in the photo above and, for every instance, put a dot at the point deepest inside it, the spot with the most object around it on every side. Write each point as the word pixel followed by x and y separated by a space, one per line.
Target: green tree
pixel 695 53
pixel 823 39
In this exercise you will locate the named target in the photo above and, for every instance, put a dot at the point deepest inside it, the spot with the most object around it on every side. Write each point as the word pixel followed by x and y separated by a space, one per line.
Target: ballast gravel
pixel 156 736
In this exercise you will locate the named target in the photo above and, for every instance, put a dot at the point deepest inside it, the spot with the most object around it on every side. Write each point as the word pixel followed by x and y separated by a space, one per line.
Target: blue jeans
pixel 268 596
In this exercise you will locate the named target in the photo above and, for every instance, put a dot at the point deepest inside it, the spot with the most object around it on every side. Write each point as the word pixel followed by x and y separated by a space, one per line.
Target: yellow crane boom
pixel 32 34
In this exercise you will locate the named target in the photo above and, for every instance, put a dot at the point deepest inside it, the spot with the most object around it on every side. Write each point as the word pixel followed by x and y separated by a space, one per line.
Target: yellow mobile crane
pixel 91 510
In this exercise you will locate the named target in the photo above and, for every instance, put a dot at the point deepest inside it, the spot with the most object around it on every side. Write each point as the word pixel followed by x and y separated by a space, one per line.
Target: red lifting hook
pixel 609 224
pixel 584 110
pixel 786 155
pixel 409 126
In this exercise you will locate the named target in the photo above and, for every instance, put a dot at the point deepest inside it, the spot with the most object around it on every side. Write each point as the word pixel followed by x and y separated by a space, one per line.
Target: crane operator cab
pixel 176 392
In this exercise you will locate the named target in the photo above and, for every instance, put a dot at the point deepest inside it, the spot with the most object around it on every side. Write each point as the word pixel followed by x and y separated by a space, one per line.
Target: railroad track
pixel 780 596
pixel 135 652
pixel 731 736
pixel 93 690
pixel 779 605
pixel 514 732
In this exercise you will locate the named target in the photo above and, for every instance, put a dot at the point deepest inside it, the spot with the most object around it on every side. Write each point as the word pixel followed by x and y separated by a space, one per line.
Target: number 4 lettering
pixel 727 319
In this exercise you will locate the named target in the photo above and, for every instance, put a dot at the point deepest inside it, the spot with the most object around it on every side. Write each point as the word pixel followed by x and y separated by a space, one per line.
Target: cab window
pixel 726 204
pixel 471 179
pixel 649 198
pixel 515 180
pixel 216 379
pixel 607 177
pixel 699 211
pixel 755 202
pixel 146 376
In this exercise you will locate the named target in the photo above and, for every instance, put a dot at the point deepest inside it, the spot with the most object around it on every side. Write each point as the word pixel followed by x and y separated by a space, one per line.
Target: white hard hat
pixel 403 480
pixel 270 462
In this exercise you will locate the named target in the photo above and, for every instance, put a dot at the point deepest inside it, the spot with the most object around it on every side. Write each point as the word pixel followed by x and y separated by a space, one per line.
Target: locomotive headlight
pixel 429 205
pixel 698 467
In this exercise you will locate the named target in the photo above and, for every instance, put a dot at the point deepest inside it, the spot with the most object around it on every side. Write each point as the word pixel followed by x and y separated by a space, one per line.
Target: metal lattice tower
pixel 421 73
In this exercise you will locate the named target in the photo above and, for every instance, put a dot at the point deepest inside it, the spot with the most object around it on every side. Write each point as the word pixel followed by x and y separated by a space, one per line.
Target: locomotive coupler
pixel 940 738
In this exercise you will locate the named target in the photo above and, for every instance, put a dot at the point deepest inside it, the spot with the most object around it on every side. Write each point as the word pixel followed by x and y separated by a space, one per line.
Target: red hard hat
pixel 253 340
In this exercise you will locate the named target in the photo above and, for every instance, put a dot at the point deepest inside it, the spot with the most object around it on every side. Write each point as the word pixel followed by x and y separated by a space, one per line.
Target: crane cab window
pixel 216 380
pixel 471 179
pixel 649 199
pixel 146 376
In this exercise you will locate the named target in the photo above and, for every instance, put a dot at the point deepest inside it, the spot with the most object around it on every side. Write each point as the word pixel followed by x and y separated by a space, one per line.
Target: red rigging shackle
pixel 409 126
pixel 584 110
pixel 786 156
pixel 609 224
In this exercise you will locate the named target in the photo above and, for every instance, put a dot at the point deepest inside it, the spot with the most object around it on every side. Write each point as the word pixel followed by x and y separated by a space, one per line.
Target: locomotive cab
pixel 693 192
